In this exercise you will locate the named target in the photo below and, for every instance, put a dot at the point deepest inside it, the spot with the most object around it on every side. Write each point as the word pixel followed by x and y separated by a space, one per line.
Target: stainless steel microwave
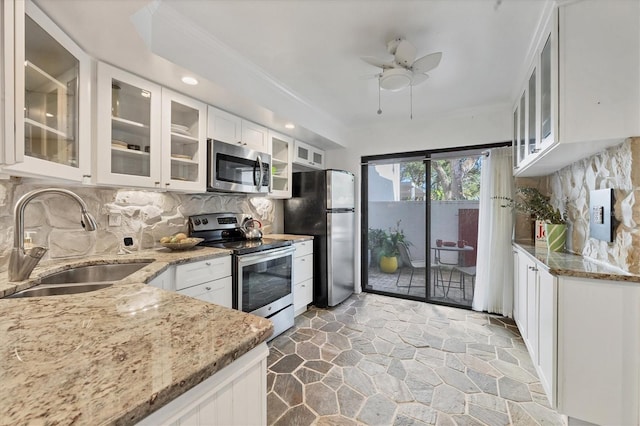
pixel 234 168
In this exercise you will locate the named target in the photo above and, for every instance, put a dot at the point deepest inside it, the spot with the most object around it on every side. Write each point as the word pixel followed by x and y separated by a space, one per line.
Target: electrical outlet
pixel 115 219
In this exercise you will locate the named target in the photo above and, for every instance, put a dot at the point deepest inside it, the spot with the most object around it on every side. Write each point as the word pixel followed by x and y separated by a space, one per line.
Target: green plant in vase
pixel 532 202
pixel 389 253
pixel 375 237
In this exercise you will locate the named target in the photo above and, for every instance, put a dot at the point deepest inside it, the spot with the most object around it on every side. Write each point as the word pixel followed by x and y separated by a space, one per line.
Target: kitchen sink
pixel 94 273
pixel 81 279
pixel 58 289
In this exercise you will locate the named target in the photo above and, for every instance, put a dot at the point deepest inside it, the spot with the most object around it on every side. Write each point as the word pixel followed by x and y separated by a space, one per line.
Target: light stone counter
pixel 290 237
pixel 573 265
pixel 114 355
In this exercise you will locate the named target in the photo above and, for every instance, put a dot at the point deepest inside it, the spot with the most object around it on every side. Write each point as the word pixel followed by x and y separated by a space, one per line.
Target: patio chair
pixel 465 271
pixel 407 259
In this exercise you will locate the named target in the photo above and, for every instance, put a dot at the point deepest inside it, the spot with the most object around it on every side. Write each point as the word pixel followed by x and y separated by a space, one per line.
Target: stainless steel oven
pixel 262 268
pixel 233 168
pixel 264 283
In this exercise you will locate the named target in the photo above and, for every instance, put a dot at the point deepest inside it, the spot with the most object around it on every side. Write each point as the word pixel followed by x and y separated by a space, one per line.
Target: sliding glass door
pixel 396 227
pixel 453 222
pixel 420 225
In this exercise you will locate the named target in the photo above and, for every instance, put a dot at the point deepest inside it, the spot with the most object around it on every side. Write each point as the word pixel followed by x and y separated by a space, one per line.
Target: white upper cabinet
pixel 255 136
pixel 148 136
pixel 308 156
pixel 184 142
pixel 226 127
pixel 223 126
pixel 129 149
pixel 281 150
pixel 52 99
pixel 583 92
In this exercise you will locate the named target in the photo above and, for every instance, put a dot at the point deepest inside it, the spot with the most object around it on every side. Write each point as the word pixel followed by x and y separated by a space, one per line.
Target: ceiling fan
pixel 405 70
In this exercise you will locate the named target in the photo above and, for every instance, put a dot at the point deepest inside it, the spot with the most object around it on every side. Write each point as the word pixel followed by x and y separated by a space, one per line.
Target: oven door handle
pixel 259 185
pixel 265 256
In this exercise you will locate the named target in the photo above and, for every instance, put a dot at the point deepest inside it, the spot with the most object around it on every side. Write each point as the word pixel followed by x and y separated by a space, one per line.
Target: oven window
pixel 265 282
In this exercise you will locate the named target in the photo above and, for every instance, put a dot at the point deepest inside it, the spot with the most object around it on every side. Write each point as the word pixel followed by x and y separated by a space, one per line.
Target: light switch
pixel 601 217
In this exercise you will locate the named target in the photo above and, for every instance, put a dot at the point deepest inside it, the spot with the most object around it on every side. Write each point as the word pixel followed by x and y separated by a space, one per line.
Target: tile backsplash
pixel 612 168
pixel 145 216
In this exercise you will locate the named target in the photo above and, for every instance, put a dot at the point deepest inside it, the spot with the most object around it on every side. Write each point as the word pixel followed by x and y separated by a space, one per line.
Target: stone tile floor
pixel 452 294
pixel 377 360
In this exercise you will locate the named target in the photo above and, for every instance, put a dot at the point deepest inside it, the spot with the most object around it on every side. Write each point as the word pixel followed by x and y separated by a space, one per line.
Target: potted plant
pixel 375 238
pixel 532 202
pixel 389 253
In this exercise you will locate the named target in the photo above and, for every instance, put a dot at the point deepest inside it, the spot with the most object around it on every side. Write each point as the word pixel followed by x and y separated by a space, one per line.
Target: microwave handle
pixel 259 185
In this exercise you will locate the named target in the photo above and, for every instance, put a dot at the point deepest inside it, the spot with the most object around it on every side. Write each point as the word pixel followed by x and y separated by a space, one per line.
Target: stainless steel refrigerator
pixel 323 205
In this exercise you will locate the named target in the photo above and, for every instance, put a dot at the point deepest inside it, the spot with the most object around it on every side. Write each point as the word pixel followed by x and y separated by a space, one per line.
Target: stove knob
pixel 205 221
pixel 196 221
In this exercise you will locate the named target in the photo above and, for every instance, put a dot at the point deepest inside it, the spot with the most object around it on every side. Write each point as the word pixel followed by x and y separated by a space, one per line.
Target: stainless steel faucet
pixel 21 263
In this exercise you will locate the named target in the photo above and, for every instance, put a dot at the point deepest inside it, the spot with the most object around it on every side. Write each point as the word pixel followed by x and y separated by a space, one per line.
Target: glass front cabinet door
pixel 56 116
pixel 183 142
pixel 281 170
pixel 128 114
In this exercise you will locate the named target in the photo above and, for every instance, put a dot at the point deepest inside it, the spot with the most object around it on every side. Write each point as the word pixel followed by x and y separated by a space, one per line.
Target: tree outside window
pixel 451 179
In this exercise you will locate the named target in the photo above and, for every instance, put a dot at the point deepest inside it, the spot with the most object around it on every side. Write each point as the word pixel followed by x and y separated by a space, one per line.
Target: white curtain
pixel 494 270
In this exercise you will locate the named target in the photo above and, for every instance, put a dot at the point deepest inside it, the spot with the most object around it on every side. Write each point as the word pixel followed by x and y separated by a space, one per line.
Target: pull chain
pixel 411 100
pixel 379 109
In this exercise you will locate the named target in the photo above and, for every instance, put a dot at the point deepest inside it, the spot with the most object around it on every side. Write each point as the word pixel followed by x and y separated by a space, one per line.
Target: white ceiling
pixel 307 52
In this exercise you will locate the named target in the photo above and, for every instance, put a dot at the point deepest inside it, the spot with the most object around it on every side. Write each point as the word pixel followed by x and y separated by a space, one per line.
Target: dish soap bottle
pixel 28 241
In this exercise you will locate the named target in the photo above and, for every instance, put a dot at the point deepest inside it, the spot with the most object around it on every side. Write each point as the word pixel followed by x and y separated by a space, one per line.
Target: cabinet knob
pixel 86 176
pixel 303 260
pixel 167 184
pixel 208 288
pixel 156 183
pixel 207 263
pixel 239 142
pixel 303 285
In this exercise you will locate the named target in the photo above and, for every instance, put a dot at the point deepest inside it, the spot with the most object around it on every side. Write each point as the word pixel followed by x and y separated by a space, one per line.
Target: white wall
pixel 472 127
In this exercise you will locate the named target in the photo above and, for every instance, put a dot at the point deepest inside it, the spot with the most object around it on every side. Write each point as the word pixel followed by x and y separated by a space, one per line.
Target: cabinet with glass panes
pixel 52 113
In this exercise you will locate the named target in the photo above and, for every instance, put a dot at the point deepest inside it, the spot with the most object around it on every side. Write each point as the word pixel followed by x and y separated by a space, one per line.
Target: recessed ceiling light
pixel 189 80
pixel 48 114
pixel 290 126
pixel 145 94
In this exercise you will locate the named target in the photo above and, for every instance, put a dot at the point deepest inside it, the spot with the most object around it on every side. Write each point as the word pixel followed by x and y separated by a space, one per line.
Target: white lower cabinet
pixel 235 395
pixel 302 276
pixel 215 291
pixel 546 363
pixel 583 336
pixel 599 350
pixel 165 280
pixel 208 280
pixel 535 310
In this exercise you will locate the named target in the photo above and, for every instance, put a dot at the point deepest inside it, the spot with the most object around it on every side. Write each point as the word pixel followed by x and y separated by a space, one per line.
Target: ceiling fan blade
pixel 377 62
pixel 405 53
pixel 426 63
pixel 418 78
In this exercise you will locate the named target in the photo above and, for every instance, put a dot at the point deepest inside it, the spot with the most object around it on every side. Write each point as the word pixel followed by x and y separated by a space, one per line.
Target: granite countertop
pixel 114 355
pixel 290 237
pixel 573 265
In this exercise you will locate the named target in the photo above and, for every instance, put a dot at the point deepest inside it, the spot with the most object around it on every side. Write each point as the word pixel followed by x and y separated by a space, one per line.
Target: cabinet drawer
pixel 202 271
pixel 218 292
pixel 304 248
pixel 302 268
pixel 302 294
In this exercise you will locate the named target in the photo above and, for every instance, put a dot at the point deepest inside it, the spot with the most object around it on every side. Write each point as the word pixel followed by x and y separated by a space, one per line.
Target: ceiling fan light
pixel 395 79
